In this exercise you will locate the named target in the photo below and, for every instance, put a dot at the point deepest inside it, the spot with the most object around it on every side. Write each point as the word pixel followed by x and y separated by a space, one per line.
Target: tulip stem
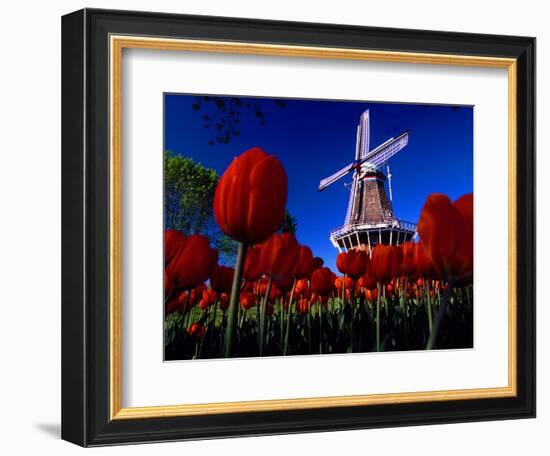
pixel 440 313
pixel 234 302
pixel 309 329
pixel 282 322
pixel 212 324
pixel 405 310
pixel 262 317
pixel 344 291
pixel 352 303
pixel 288 316
pixel 320 327
pixel 429 304
pixel 378 317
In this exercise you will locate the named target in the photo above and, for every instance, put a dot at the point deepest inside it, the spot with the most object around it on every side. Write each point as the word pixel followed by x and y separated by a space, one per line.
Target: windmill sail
pixel 385 151
pixel 334 177
pixel 364 136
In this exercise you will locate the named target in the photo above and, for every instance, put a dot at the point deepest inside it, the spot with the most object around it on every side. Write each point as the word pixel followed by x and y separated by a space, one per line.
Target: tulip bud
pixel 193 264
pixel 279 255
pixel 250 198
pixel 196 330
pixel 446 230
pixel 221 279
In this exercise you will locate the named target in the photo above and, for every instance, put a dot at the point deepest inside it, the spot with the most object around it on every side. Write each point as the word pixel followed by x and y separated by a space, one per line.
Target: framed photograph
pixel 277 227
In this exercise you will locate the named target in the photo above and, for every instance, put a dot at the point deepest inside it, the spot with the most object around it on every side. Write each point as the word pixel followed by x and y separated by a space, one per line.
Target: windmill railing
pixel 384 225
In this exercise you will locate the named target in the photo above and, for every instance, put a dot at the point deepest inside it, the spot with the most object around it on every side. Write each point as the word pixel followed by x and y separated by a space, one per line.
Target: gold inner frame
pixel 117 44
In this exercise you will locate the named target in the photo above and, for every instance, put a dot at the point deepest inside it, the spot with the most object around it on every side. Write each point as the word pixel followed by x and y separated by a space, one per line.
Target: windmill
pixel 370 219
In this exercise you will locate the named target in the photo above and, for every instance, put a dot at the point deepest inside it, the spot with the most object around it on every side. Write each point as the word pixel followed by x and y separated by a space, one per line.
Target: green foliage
pixel 289 224
pixel 188 197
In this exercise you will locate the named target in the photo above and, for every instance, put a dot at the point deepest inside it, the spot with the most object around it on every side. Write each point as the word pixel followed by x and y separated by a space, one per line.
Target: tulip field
pixel 279 299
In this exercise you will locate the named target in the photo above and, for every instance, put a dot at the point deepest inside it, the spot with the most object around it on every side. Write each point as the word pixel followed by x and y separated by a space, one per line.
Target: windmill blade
pixel 334 177
pixel 385 151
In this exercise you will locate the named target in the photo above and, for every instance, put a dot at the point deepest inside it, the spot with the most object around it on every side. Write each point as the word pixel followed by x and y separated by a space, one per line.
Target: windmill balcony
pixel 365 236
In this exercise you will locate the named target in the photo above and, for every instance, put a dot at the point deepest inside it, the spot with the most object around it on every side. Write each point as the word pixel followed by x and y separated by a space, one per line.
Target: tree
pixel 188 196
pixel 289 224
pixel 223 115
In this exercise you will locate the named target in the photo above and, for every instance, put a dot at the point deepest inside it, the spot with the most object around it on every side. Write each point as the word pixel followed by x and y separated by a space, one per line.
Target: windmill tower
pixel 370 219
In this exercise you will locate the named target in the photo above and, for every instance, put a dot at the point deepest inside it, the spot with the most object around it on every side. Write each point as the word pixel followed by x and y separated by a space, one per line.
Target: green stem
pixel 262 316
pixel 352 303
pixel 288 317
pixel 197 348
pixel 186 313
pixel 320 327
pixel 309 329
pixel 282 321
pixel 378 318
pixel 441 311
pixel 344 291
pixel 234 302
pixel 405 310
pixel 429 304
pixel 212 324
pixel 258 308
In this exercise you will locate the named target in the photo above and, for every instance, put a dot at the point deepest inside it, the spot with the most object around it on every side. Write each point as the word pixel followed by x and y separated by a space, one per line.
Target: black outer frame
pixel 85 227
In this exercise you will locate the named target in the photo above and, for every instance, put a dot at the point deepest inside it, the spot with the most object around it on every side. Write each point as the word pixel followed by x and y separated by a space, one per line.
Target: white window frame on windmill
pixel 362 228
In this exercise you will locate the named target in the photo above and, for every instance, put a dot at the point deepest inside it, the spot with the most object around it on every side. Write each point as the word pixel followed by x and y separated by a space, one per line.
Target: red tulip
pixel 417 292
pixel 178 303
pixel 367 281
pixel 303 306
pixel 208 298
pixel 302 288
pixel 423 265
pixel 374 294
pixel 260 287
pixel 305 263
pixel 252 267
pixel 382 263
pixel 173 243
pixel 195 295
pixel 447 232
pixel 396 261
pixel 322 281
pixel 223 301
pixel 341 262
pixel 193 264
pixel 356 263
pixel 250 198
pixel 371 295
pixel 317 263
pixel 247 301
pixel 317 298
pixel 221 279
pixel 196 330
pixel 389 291
pixel 284 283
pixel 407 265
pixel 279 255
pixel 343 282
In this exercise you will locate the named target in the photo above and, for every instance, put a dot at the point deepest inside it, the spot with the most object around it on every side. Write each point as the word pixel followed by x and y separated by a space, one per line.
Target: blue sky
pixel 315 138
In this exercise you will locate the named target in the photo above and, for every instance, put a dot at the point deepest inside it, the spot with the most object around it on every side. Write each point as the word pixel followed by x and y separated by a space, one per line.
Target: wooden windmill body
pixel 370 219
